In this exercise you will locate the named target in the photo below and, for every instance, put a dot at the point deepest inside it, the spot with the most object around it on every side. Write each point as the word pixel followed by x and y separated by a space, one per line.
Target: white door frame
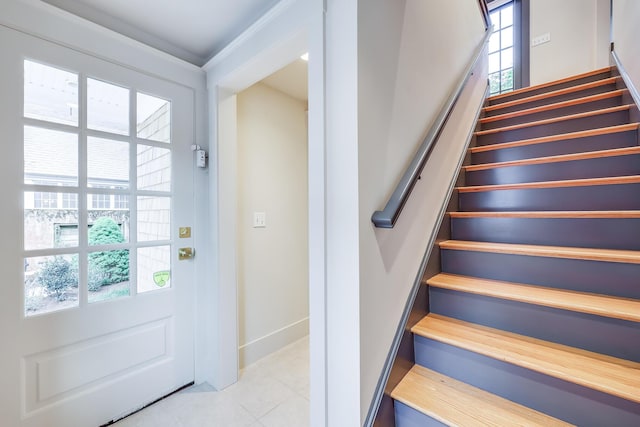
pixel 224 82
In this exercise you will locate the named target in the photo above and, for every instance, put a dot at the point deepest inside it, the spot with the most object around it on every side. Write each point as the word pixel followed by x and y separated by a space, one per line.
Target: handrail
pixel 484 8
pixel 387 217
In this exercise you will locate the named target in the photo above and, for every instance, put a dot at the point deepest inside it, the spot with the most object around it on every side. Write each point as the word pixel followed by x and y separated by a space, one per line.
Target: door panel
pixel 96 311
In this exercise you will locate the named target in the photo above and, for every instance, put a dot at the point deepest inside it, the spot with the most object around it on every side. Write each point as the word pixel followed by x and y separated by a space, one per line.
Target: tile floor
pixel 273 392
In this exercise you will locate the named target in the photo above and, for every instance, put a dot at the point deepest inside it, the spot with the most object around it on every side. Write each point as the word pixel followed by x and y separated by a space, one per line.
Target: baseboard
pixel 257 349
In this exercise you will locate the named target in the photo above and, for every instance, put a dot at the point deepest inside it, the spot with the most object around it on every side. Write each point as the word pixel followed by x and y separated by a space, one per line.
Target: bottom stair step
pixel 455 403
pixel 617 377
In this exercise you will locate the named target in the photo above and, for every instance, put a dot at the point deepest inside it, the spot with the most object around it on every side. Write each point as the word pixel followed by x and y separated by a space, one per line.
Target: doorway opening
pixel 272 213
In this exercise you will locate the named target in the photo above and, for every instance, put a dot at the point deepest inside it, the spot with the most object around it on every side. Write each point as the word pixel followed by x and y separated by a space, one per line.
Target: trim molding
pixel 633 91
pixel 257 349
pixel 246 35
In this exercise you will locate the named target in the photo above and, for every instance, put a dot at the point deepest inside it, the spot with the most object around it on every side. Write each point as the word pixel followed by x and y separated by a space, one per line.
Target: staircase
pixel 534 319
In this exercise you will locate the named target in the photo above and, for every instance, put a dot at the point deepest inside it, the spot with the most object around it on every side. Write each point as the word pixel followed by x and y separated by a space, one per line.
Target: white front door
pixel 96 309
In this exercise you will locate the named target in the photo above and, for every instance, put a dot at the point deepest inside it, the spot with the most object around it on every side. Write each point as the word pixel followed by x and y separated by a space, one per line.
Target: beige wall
pixel 626 37
pixel 579 43
pixel 411 54
pixel 272 262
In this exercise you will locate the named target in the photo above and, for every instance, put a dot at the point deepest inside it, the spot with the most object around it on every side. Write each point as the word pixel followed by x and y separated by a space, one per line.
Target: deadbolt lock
pixel 184 232
pixel 186 253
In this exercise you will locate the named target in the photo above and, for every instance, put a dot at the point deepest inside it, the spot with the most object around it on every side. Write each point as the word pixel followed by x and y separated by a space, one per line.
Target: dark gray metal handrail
pixel 387 217
pixel 484 8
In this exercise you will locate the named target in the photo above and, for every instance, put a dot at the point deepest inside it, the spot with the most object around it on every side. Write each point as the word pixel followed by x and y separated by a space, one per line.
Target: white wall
pixel 273 267
pixel 411 54
pixel 371 99
pixel 579 43
pixel 626 34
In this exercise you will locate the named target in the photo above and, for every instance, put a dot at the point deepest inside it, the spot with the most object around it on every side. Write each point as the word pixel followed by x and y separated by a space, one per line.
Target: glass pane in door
pixel 107 107
pixel 107 163
pixel 154 268
pixel 108 275
pixel 154 118
pixel 154 168
pixel 50 283
pixel 50 220
pixel 50 157
pixel 50 94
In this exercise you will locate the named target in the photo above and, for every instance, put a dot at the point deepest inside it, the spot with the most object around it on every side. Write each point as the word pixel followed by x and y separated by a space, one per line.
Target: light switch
pixel 544 38
pixel 259 220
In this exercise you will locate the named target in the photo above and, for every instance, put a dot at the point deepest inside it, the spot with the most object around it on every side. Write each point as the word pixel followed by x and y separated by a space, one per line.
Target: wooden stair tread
pixel 566 252
pixel 546 95
pixel 551 83
pixel 607 374
pixel 555 120
pixel 583 302
pixel 554 106
pixel 547 214
pixel 586 182
pixel 558 137
pixel 455 403
pixel 555 159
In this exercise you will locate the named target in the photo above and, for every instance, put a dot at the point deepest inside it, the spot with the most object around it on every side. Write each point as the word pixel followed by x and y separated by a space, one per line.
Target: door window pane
pixel 107 163
pixel 108 227
pixel 52 190
pixel 107 107
pixel 50 157
pixel 108 275
pixel 154 268
pixel 46 220
pixel 154 118
pixel 50 94
pixel 154 218
pixel 154 168
pixel 50 283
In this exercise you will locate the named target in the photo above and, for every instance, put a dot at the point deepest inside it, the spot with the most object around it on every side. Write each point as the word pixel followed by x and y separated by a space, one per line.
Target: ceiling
pixel 192 30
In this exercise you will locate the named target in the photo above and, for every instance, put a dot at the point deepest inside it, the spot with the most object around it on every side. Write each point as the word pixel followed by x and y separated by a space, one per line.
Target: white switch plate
pixel 544 38
pixel 259 220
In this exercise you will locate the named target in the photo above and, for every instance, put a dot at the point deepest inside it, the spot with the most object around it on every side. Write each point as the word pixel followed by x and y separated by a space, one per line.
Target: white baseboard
pixel 255 350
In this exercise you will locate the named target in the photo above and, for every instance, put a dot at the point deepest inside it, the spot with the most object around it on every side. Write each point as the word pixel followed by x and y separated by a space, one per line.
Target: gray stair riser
pixel 409 417
pixel 557 112
pixel 597 197
pixel 555 148
pixel 552 100
pixel 561 399
pixel 606 278
pixel 601 167
pixel 614 337
pixel 563 126
pixel 604 233
pixel 571 83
